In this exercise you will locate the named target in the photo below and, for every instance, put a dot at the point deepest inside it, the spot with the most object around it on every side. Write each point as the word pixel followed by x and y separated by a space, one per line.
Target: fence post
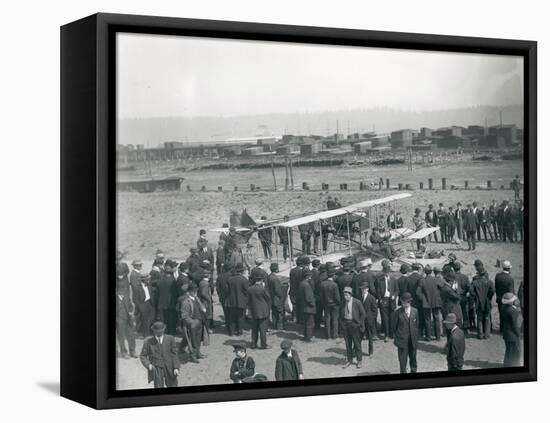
pixel 430 183
pixel 220 189
pixel 443 183
pixel 488 184
pixel 421 185
pixel 252 187
pixel 465 184
pixel 387 183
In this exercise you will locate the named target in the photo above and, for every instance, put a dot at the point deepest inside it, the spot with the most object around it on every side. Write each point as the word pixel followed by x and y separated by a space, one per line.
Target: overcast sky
pixel 162 76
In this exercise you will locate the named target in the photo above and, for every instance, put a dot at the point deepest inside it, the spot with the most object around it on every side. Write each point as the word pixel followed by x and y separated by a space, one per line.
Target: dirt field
pixel 171 221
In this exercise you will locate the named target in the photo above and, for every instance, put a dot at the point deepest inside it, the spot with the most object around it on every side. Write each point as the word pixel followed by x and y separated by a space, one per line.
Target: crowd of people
pixel 345 298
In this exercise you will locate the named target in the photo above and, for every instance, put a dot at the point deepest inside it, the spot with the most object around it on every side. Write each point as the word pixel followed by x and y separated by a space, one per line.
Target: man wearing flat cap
pixel 204 294
pixel 143 301
pixel 193 261
pixel 352 319
pixel 288 365
pixel 504 283
pixel 386 291
pixel 275 291
pixel 159 356
pixel 406 330
pixel 243 365
pixel 456 344
pixel 258 272
pixel 482 291
pixel 511 330
pixel 236 300
pixel 259 303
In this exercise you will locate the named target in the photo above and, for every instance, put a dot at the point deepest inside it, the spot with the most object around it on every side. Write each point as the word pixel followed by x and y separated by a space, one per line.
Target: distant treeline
pixel 512 156
pixel 298 163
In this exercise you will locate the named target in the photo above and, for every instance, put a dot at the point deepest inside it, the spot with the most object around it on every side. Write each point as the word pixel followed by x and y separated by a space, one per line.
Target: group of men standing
pixel 348 298
pixel 504 222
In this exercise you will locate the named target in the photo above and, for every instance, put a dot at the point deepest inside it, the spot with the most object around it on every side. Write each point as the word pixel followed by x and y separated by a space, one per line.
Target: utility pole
pixel 337 129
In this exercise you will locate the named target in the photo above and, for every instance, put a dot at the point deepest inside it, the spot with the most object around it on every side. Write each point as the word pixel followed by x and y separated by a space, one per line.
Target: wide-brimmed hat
pixel 506 264
pixel 509 298
pixel 404 268
pixel 137 262
pixel 239 267
pixel 364 284
pixel 348 290
pixel 450 319
pixel 406 297
pixel 158 326
pixel 170 263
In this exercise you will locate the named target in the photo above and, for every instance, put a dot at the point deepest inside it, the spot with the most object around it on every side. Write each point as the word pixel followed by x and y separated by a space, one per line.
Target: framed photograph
pixel 257 211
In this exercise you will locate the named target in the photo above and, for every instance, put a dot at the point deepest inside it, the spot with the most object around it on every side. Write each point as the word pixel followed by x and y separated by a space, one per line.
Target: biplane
pixel 345 231
pixel 336 233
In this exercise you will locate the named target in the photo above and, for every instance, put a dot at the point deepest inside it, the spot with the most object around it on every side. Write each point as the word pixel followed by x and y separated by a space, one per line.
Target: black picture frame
pixel 88 208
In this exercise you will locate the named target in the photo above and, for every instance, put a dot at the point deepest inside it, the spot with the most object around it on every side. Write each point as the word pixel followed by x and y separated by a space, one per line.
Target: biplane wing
pixel 422 233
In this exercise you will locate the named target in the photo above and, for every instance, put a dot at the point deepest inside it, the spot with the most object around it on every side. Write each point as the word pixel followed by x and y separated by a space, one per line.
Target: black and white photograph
pixel 291 211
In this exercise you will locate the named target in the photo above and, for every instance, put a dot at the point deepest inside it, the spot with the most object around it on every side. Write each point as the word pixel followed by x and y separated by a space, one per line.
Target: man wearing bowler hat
pixel 236 300
pixel 137 266
pixel 511 330
pixel 159 356
pixel 192 316
pixel 275 291
pixel 288 365
pixel 143 301
pixel 406 332
pixel 371 311
pixel 482 291
pixel 259 303
pixel 243 365
pixel 386 291
pixel 504 283
pixel 455 343
pixel 352 319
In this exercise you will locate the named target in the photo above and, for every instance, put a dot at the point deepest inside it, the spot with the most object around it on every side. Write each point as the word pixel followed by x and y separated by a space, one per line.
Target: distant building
pixel 362 147
pixel 252 151
pixel 172 145
pixel 452 131
pixel 508 132
pixel 425 132
pixel 402 138
pixel 310 149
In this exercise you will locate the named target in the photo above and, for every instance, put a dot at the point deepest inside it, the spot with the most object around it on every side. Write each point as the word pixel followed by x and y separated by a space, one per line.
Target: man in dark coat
pixel 456 344
pixel 316 285
pixel 459 220
pixel 414 279
pixel 484 217
pixel 143 301
pixel 220 257
pixel 166 301
pixel 294 279
pixel 483 292
pixel 259 303
pixel 307 304
pixel 511 330
pixel 402 283
pixel 306 231
pixel 450 297
pixel 463 283
pixel 405 327
pixel 470 227
pixel 386 293
pixel 352 319
pixel 192 316
pixel 345 279
pixel 285 241
pixel 222 289
pixel 365 275
pixel 431 221
pixel 503 283
pixel 243 366
pixel 442 222
pixel 430 298
pixel 288 365
pixel 193 261
pixel 275 291
pixel 159 356
pixel 371 311
pixel 125 327
pixel 258 272
pixel 330 298
pixel 236 300
pixel 265 234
